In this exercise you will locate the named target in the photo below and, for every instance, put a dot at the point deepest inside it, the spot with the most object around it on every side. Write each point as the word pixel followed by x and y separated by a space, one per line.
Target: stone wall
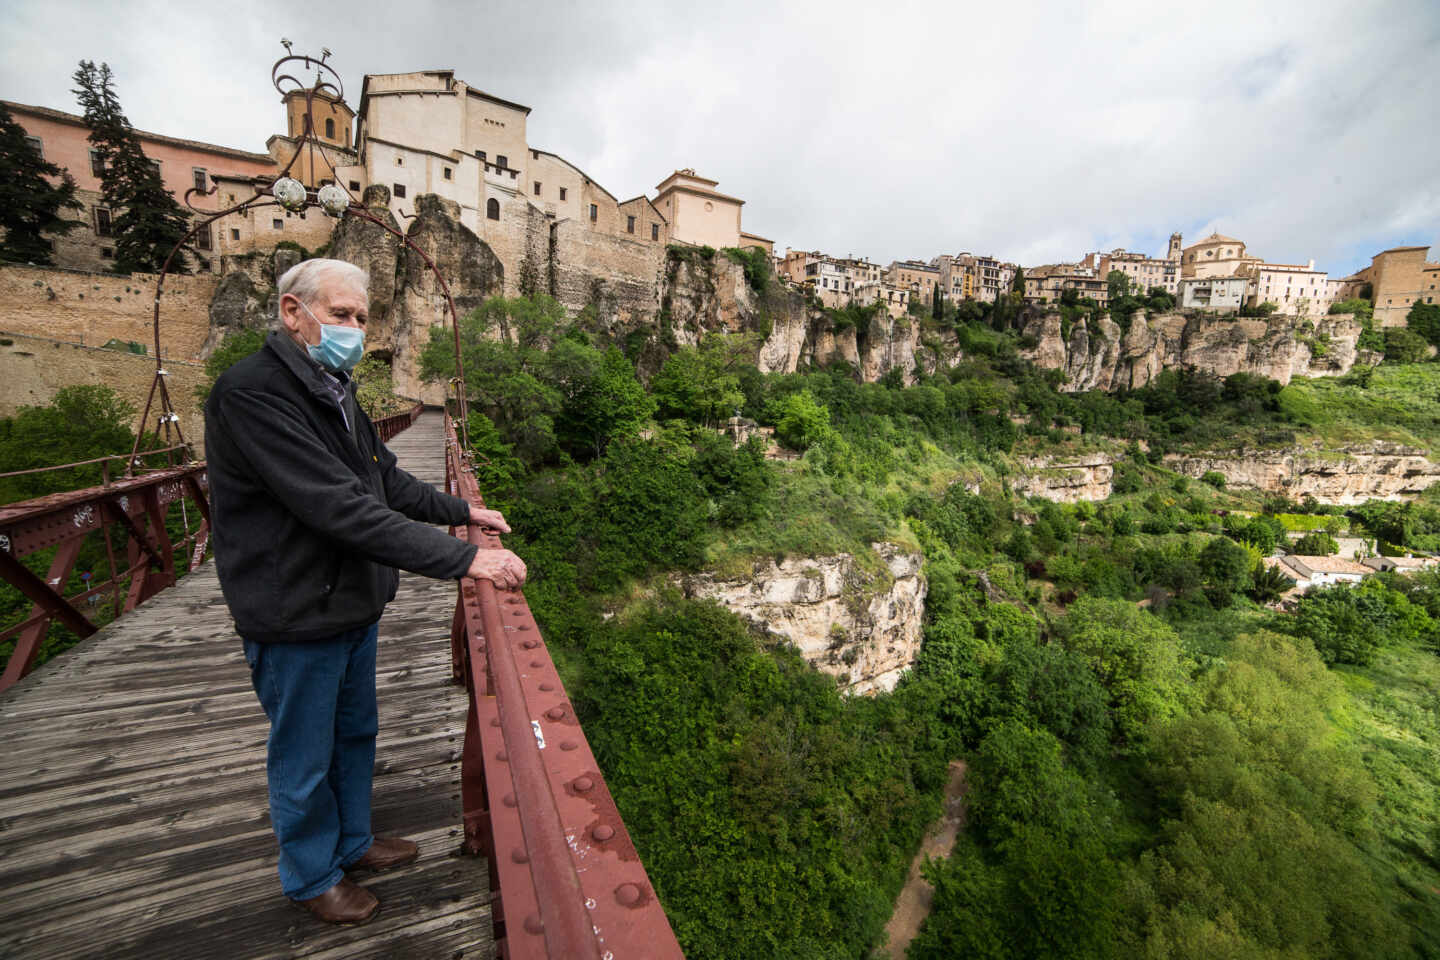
pixel 33 369
pixel 864 632
pixel 93 308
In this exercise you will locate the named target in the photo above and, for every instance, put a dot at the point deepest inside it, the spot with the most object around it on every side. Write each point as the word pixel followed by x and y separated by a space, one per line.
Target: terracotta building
pixel 699 213
pixel 1397 278
pixel 63 139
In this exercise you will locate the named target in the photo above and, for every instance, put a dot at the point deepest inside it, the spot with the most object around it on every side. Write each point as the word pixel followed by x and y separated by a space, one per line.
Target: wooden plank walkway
pixel 133 814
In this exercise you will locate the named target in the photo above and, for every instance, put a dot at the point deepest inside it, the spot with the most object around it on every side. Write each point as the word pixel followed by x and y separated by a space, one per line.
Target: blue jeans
pixel 320 698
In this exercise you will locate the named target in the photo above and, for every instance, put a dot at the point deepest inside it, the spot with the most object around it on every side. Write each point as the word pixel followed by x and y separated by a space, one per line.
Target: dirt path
pixel 913 904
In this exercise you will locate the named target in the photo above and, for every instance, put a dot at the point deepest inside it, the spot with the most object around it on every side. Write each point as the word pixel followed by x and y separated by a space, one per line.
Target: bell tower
pixel 1174 252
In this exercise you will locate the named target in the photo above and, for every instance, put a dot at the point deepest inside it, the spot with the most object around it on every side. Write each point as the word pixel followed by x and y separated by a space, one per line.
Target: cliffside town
pixel 452 166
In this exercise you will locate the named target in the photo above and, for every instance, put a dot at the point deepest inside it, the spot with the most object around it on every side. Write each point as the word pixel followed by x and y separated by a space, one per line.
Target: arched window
pixel 492 209
pixel 330 128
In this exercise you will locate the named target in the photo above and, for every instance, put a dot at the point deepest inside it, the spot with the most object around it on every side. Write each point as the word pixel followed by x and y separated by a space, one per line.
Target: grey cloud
pixel 1033 131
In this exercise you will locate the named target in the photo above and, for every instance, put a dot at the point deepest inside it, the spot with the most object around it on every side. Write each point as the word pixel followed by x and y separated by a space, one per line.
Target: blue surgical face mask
pixel 339 349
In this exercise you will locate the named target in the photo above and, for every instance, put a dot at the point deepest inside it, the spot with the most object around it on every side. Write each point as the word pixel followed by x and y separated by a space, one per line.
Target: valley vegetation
pixel 1161 764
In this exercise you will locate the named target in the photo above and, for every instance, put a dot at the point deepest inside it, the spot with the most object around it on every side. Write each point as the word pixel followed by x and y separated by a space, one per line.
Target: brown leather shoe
pixel 346 902
pixel 387 852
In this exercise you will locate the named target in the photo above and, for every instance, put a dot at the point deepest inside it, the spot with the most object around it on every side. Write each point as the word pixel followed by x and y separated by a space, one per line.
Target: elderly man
pixel 311 519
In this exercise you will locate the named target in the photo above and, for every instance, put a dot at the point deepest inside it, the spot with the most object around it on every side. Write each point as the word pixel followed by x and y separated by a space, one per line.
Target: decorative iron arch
pixel 293 196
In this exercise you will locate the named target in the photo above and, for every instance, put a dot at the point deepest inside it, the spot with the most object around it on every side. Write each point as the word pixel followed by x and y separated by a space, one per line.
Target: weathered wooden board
pixel 133 815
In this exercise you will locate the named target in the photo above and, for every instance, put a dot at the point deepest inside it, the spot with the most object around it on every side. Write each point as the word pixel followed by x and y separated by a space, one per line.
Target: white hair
pixel 306 279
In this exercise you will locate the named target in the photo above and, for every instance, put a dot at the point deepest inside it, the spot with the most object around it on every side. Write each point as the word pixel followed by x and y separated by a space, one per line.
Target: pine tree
pixel 31 204
pixel 147 220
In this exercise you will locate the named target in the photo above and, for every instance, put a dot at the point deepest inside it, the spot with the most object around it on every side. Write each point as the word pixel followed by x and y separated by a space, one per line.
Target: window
pixel 562 197
pixel 234 234
pixel 330 128
pixel 202 239
pixel 492 209
pixel 480 155
pixel 399 191
pixel 37 145
pixel 97 166
pixel 277 224
pixel 629 224
pixel 199 179
pixel 594 213
pixel 537 188
pixel 355 186
pixel 102 223
pixel 500 161
pixel 399 161
pixel 654 231
pixel 108 253
pixel 448 173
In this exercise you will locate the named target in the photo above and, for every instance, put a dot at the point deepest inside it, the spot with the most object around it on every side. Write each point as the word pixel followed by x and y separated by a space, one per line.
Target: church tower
pixel 1174 252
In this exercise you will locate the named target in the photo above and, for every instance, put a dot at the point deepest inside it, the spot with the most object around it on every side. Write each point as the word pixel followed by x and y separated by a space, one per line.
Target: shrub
pixel 1214 478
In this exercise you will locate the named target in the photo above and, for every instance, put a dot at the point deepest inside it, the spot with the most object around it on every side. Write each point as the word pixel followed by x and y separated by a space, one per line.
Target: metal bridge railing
pixel 569 884
pixel 134 509
pixel 389 426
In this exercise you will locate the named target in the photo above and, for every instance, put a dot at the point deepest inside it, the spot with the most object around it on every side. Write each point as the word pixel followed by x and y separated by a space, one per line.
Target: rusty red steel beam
pixel 570 883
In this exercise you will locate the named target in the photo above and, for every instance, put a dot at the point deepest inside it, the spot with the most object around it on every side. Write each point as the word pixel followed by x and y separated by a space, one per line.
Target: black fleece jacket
pixel 311 519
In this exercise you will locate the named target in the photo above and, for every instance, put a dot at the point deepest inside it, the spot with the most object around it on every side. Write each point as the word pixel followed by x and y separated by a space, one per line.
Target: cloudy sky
pixel 1031 131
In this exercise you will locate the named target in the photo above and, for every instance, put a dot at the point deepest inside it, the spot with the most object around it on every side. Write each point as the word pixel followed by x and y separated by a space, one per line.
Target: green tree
pixel 608 403
pixel 31 203
pixel 1316 543
pixel 519 369
pixel 1135 655
pixel 1225 570
pixel 1117 283
pixel 1018 284
pixel 148 222
pixel 702 384
pixel 80 423
pixel 1404 346
pixel 1424 319
pixel 1268 583
pixel 801 421
pixel 236 346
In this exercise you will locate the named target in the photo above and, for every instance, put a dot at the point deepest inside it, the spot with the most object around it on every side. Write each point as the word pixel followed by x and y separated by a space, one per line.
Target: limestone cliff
pixel 863 631
pixel 702 295
pixel 1066 479
pixel 1100 356
pixel 1382 471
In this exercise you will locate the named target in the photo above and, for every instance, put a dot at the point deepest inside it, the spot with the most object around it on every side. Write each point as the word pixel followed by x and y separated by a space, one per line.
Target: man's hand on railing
pixel 489 518
pixel 499 566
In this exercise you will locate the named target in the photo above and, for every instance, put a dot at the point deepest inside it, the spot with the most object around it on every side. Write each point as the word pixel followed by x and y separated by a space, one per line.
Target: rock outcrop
pixel 1100 356
pixel 1380 471
pixel 1066 479
pixel 702 295
pixel 864 631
